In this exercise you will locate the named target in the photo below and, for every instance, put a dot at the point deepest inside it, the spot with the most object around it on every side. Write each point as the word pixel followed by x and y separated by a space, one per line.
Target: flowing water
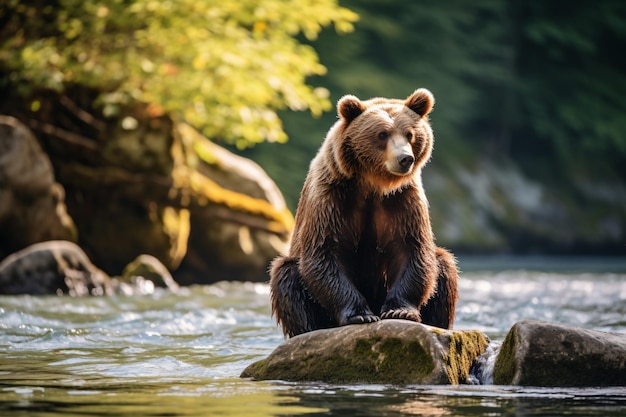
pixel 182 353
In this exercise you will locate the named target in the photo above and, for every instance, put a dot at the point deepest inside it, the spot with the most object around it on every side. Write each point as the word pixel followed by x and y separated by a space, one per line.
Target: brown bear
pixel 362 248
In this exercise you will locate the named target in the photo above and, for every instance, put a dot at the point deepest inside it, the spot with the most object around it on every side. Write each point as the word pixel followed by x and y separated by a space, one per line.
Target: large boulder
pixel 548 354
pixel 32 207
pixel 385 352
pixel 239 218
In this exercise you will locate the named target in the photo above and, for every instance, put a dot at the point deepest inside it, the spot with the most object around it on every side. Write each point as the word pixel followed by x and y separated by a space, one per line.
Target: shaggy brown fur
pixel 362 248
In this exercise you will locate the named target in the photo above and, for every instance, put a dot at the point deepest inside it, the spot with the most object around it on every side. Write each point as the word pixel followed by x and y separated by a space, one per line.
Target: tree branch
pixel 82 114
pixel 63 134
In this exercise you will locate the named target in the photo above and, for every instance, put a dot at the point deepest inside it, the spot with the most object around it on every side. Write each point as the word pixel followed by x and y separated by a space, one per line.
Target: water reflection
pixel 369 401
pixel 224 397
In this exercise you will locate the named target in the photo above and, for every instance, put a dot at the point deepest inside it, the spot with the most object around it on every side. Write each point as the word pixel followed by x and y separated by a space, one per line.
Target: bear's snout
pixel 400 158
pixel 405 161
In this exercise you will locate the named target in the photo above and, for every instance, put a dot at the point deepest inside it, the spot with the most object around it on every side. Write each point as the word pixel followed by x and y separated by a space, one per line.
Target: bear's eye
pixel 409 136
pixel 383 135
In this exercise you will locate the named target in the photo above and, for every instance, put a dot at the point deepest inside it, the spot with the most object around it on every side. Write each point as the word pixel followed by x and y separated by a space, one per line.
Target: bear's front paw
pixel 362 318
pixel 402 313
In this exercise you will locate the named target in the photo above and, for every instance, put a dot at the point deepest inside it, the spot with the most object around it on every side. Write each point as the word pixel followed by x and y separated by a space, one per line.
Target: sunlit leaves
pixel 224 66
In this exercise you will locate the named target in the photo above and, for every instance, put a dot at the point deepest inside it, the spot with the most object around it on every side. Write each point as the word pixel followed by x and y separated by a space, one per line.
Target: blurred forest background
pixel 529 121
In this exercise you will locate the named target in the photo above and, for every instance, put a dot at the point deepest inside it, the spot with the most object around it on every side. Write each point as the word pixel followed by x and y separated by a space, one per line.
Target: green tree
pixel 570 88
pixel 224 66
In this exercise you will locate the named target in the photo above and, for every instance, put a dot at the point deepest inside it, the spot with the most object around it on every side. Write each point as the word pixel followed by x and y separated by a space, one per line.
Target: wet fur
pixel 362 247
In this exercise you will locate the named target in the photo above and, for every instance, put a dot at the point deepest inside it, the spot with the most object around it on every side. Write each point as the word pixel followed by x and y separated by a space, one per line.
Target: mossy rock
pixel 385 352
pixel 537 353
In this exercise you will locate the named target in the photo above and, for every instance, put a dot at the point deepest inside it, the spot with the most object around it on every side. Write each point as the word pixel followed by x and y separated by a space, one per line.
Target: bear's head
pixel 384 142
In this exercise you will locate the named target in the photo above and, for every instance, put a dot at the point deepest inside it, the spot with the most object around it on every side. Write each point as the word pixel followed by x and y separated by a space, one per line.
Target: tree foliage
pixel 224 66
pixel 570 79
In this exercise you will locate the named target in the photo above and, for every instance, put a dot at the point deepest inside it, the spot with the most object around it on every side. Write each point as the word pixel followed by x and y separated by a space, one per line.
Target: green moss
pixel 360 367
pixel 381 361
pixel 504 368
pixel 463 350
pixel 404 362
pixel 391 361
pixel 255 370
pixel 363 347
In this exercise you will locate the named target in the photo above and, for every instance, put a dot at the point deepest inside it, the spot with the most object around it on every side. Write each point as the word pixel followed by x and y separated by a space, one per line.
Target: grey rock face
pixel 536 353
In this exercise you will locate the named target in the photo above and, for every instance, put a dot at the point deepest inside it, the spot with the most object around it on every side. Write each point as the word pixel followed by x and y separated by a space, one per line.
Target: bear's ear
pixel 349 107
pixel 421 101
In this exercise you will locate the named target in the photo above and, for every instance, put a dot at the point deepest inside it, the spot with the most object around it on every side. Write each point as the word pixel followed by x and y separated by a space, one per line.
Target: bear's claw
pixel 363 318
pixel 403 313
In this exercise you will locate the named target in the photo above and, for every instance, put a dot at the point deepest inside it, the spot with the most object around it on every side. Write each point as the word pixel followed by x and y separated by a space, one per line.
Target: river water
pixel 182 353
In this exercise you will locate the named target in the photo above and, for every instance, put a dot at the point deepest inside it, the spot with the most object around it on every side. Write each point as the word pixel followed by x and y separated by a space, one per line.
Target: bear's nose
pixel 405 161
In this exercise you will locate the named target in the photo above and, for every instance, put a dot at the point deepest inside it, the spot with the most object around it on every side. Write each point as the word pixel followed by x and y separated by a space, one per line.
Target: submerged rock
pixel 151 269
pixel 536 353
pixel 385 352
